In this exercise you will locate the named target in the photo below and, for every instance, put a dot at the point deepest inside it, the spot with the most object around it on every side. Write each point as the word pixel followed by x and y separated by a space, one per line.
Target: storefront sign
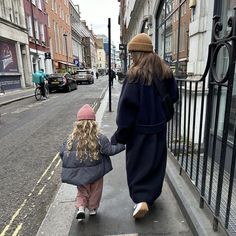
pixel 8 60
pixel 10 82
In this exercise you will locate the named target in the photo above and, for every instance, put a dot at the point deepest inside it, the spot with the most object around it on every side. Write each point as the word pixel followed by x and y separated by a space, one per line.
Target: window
pixel 53 5
pixel 62 14
pixel 55 36
pixel 226 11
pixel 36 28
pixel 42 34
pixel 40 4
pixel 172 34
pixel 49 23
pixel 29 25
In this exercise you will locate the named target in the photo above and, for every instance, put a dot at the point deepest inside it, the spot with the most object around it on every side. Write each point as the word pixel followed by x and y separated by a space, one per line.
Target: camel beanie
pixel 140 43
pixel 86 113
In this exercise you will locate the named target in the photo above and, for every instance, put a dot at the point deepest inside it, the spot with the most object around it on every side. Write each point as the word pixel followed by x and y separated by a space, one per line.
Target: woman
pixel 142 124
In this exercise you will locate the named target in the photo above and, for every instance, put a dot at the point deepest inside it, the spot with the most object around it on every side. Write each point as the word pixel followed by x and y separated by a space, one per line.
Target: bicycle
pixel 38 92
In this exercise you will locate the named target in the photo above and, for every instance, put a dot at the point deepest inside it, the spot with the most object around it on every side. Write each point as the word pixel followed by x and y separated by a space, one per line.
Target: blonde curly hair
pixel 86 133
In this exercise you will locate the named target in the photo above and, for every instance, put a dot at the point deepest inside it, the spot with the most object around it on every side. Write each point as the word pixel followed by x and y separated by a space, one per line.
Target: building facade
pixel 200 50
pixel 101 56
pixel 60 37
pixel 77 36
pixel 15 69
pixel 37 25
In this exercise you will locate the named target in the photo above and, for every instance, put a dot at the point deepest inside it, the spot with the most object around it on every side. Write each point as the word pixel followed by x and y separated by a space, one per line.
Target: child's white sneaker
pixel 93 212
pixel 80 213
pixel 140 210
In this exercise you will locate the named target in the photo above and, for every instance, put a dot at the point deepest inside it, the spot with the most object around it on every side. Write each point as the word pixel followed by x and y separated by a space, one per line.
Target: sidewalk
pixel 16 95
pixel 115 213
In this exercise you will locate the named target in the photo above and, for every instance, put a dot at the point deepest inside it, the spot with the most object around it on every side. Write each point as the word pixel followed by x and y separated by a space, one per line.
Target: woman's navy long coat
pixel 142 127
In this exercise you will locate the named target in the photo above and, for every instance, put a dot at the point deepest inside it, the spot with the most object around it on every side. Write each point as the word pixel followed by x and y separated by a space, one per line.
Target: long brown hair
pixel 86 133
pixel 147 66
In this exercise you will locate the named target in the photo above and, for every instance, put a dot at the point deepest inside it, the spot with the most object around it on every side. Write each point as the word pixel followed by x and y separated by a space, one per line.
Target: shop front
pixel 9 69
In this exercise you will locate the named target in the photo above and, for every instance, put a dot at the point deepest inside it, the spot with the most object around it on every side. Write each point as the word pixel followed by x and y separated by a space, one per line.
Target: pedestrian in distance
pixel 113 76
pixel 141 123
pixel 97 75
pixel 85 160
pixel 39 78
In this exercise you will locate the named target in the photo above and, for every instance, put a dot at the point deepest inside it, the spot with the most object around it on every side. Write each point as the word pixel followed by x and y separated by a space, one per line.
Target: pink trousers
pixel 89 195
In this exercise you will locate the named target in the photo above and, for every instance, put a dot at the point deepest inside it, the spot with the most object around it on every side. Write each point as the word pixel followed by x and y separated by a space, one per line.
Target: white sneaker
pixel 141 209
pixel 93 212
pixel 80 214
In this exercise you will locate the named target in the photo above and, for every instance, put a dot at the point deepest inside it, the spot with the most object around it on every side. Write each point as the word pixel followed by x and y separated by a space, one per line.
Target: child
pixel 85 160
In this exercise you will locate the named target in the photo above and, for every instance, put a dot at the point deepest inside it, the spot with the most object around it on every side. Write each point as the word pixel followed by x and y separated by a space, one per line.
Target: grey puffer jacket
pixel 77 172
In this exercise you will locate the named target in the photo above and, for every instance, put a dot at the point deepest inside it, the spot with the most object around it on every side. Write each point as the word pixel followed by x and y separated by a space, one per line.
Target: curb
pixel 187 197
pixel 15 100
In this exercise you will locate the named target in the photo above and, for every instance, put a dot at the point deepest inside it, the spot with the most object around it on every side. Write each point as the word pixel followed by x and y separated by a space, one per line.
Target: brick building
pixel 60 39
pixel 37 25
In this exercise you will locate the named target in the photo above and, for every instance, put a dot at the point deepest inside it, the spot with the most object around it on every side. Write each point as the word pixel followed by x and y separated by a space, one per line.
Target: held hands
pixel 113 140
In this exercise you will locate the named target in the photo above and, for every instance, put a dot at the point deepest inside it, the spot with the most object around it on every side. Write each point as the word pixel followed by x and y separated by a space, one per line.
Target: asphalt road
pixel 31 133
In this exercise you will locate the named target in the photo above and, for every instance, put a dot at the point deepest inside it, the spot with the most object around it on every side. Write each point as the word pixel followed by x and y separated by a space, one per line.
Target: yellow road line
pixel 41 190
pixel 48 167
pixel 17 230
pixel 58 163
pixel 24 202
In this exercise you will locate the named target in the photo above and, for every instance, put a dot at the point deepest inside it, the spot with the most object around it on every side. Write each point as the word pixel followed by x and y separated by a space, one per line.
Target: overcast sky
pixel 97 12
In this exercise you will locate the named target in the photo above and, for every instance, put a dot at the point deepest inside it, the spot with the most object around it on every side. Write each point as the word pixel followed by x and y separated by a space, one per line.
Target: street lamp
pixel 65 35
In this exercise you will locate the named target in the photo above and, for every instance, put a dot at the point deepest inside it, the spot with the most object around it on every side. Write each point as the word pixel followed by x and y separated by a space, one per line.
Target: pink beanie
pixel 86 113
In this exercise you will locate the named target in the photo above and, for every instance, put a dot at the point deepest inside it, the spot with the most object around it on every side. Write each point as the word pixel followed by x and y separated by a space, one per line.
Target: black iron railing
pixel 198 136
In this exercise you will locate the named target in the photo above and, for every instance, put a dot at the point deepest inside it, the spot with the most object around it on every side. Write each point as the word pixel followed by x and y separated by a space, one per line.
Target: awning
pixel 67 63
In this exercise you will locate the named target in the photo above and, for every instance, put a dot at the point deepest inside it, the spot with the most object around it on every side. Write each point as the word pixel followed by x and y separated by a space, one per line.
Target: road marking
pixel 20 110
pixel 24 202
pixel 45 172
pixel 18 228
pixel 41 190
pixel 3 114
pixel 58 163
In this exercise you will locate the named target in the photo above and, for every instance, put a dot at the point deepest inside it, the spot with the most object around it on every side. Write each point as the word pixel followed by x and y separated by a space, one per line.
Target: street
pixel 31 133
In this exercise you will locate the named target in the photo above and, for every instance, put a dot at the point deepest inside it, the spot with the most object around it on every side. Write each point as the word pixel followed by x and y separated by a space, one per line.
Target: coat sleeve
pixel 172 88
pixel 63 148
pixel 108 149
pixel 127 111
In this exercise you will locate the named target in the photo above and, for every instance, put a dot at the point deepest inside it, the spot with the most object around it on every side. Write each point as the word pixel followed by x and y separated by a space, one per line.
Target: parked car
pixel 84 75
pixel 61 81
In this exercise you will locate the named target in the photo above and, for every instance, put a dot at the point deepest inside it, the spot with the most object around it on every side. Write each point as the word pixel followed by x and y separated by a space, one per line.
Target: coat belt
pixel 150 129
